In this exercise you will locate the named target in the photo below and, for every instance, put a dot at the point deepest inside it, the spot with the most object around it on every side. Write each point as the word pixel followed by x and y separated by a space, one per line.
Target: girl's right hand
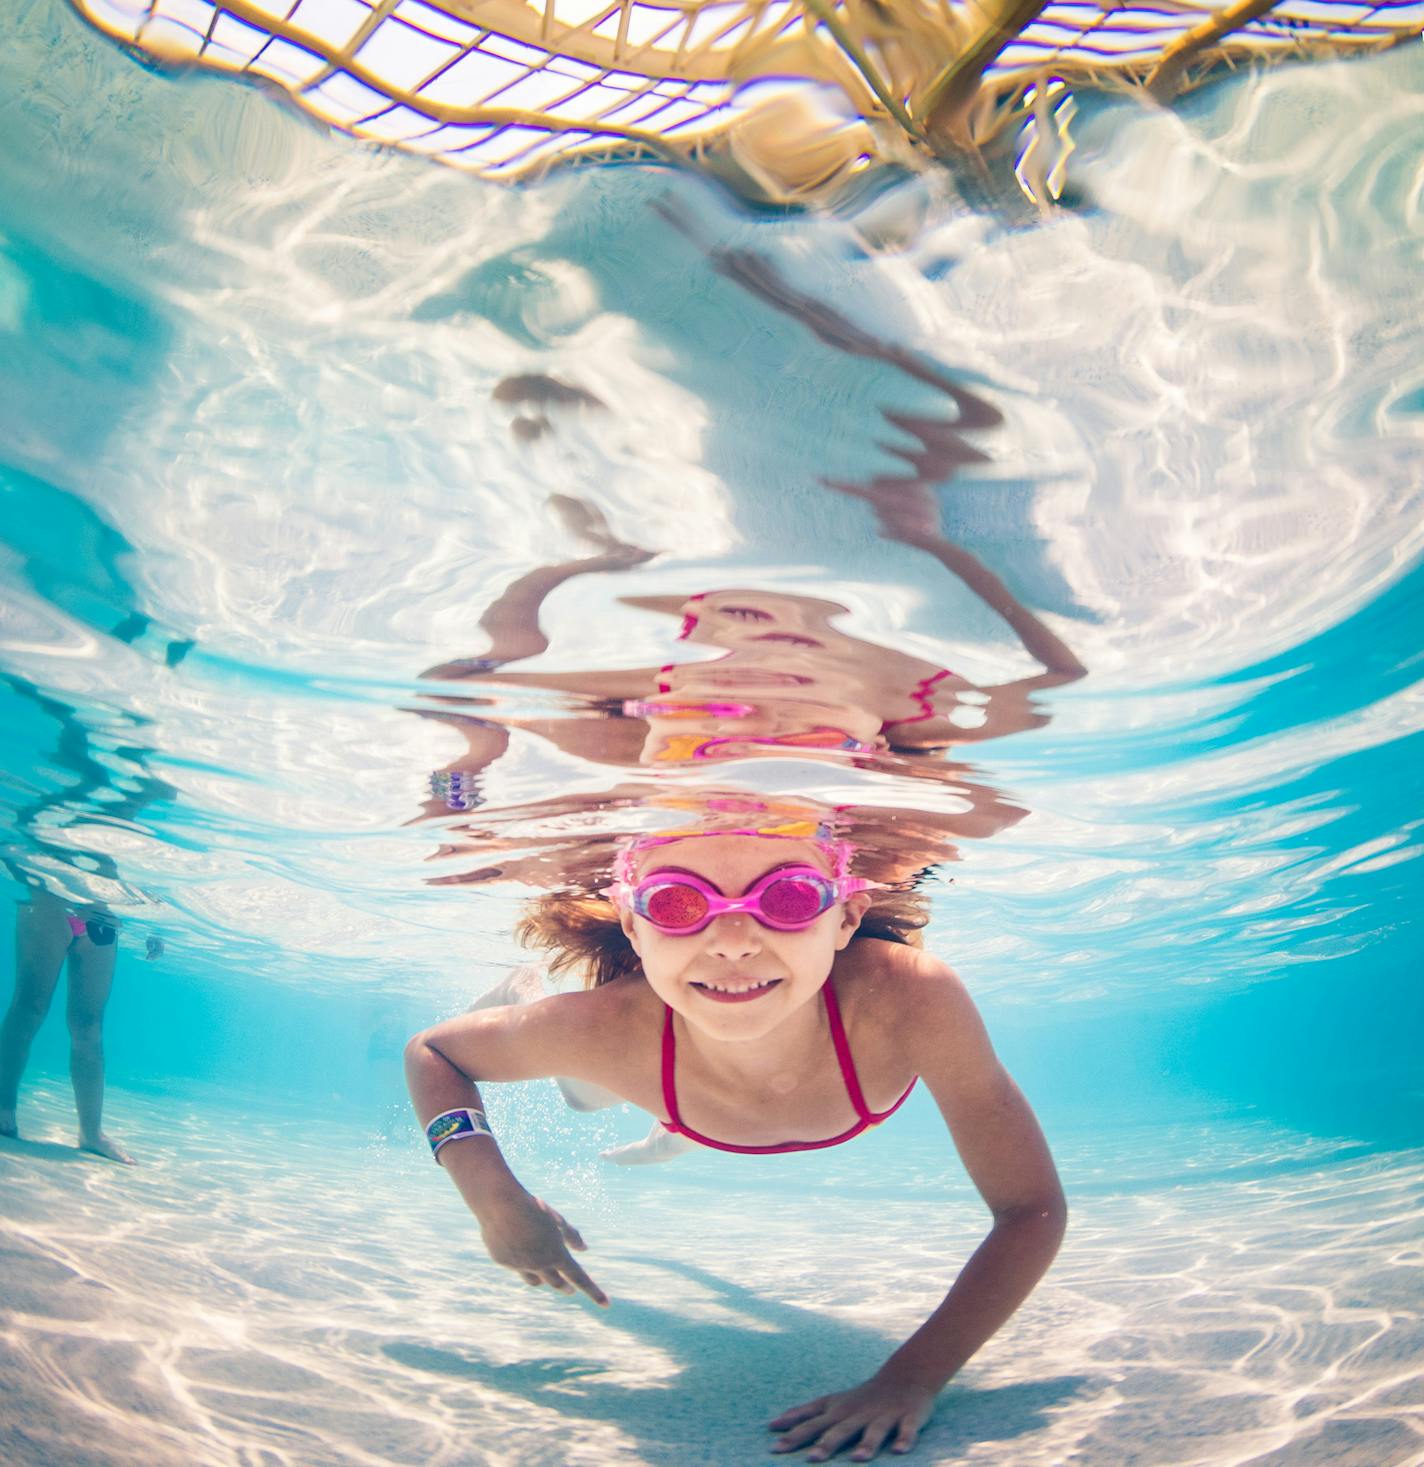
pixel 528 1236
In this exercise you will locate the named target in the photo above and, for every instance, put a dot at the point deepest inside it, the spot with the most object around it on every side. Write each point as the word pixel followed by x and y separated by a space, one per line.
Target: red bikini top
pixel 866 1116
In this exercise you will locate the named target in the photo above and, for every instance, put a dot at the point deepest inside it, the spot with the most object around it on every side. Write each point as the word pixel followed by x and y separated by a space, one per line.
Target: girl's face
pixel 736 979
pixel 761 621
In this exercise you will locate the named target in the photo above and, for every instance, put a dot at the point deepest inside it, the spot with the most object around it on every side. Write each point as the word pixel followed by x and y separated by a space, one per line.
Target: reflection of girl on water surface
pixel 788 681
pixel 738 995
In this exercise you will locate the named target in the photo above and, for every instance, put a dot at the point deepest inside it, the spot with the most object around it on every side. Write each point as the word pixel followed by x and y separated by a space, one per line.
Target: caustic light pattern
pixel 784 98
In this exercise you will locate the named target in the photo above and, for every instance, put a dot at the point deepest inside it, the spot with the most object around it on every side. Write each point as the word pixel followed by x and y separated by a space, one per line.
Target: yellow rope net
pixel 785 99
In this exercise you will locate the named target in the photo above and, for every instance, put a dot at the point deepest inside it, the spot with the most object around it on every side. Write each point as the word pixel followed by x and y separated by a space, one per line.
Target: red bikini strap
pixel 669 1067
pixel 843 1056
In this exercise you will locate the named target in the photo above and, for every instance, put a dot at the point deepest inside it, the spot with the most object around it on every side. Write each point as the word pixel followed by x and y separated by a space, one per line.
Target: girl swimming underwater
pixel 739 995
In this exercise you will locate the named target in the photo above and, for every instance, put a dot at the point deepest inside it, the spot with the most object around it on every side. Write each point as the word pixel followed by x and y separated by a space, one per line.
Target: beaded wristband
pixel 451 1125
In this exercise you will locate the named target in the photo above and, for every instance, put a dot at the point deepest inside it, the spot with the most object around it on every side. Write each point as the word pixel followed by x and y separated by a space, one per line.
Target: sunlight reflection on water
pixel 283 419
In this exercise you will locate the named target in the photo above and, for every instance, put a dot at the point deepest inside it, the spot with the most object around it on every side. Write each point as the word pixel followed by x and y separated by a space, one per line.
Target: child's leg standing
pixel 42 935
pixel 91 977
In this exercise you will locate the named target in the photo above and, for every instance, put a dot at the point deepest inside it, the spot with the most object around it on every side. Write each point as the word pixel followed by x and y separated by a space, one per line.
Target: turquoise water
pixel 257 473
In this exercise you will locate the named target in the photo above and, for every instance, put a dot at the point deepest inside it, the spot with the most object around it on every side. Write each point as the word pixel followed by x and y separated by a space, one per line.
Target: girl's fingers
pixel 833 1438
pixel 796 1413
pixel 567 1277
pixel 798 1436
pixel 571 1234
pixel 872 1439
pixel 907 1437
pixel 582 1280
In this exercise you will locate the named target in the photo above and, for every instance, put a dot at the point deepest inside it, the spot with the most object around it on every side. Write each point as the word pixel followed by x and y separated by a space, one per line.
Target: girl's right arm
pixel 442 1064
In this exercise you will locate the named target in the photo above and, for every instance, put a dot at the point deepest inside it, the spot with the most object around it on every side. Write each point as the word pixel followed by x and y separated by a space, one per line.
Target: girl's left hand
pixel 878 1413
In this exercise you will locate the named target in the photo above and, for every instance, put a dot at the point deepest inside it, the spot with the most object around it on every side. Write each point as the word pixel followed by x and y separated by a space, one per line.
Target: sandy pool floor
pixel 258 1296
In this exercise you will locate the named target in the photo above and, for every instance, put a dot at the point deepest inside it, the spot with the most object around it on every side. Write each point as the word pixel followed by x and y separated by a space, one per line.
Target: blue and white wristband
pixel 451 1125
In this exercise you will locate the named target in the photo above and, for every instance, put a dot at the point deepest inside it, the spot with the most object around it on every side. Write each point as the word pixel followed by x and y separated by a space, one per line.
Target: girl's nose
pixel 733 935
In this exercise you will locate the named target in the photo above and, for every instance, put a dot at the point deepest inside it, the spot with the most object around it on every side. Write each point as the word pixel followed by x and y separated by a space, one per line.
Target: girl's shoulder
pixel 873 962
pixel 904 997
pixel 606 1012
pixel 585 1033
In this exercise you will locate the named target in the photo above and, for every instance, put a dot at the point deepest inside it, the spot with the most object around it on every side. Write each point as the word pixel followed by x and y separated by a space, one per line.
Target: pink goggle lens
pixel 795 900
pixel 675 906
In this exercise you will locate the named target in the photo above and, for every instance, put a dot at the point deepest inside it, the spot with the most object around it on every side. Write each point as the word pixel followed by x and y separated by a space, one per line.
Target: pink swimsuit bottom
pixel 866 1116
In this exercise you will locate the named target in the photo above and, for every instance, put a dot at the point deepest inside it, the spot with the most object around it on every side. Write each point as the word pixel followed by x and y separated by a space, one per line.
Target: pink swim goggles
pixel 788 899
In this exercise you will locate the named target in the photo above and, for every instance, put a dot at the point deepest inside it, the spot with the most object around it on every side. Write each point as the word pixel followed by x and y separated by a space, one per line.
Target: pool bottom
pixel 263 1294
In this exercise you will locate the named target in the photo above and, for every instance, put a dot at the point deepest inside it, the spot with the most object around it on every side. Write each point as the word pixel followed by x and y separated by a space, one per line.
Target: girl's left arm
pixel 1003 1149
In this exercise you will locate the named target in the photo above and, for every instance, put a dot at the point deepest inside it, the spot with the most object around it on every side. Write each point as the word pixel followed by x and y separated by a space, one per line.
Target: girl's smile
pixel 737 991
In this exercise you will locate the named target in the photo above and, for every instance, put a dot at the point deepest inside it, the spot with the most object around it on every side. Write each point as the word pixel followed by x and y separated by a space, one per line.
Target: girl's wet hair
pixel 582 934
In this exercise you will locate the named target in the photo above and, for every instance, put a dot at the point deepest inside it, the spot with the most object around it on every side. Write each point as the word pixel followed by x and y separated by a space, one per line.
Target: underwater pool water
pixel 261 466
